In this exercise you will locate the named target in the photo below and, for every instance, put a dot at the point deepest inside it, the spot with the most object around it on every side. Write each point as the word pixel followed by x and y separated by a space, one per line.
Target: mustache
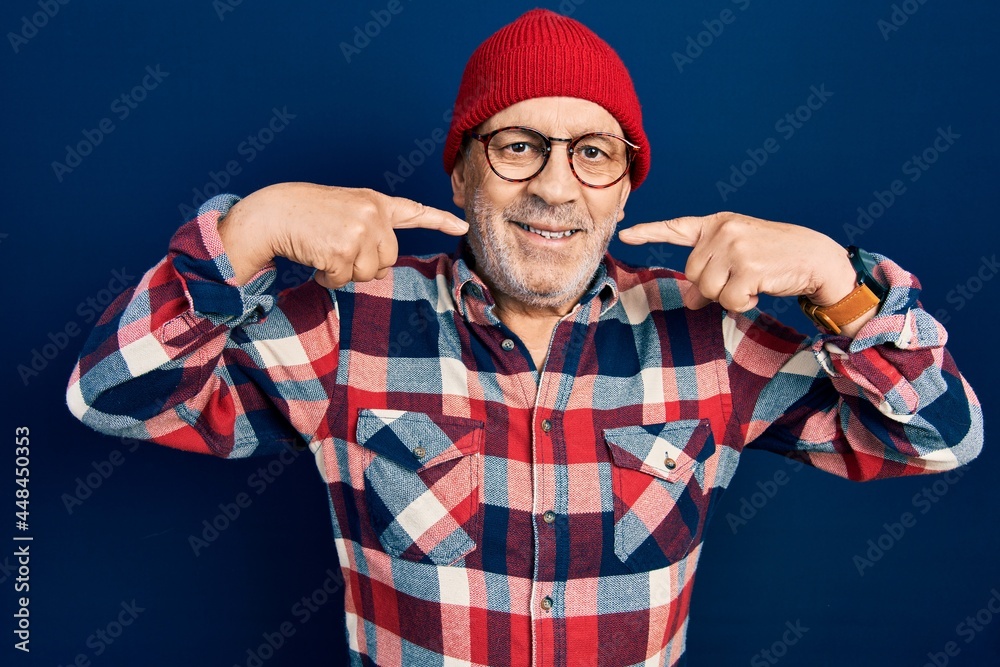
pixel 533 209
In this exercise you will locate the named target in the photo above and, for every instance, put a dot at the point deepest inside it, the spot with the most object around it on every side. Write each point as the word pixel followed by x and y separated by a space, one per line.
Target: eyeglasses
pixel 518 154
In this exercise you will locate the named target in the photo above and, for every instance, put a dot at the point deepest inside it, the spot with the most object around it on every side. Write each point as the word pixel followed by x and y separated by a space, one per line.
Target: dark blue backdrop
pixel 200 78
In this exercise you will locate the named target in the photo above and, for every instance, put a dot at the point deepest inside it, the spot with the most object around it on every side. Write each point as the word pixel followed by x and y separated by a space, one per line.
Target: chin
pixel 547 292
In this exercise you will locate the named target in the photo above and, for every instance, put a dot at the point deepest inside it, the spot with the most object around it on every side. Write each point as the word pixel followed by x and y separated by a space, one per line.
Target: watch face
pixel 864 263
pixel 868 261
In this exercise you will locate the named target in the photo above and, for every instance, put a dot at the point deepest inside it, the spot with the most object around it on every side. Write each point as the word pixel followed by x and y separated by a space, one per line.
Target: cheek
pixel 500 193
pixel 605 212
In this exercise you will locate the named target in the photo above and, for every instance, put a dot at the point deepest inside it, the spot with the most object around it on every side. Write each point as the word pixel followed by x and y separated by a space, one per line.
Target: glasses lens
pixel 600 159
pixel 516 153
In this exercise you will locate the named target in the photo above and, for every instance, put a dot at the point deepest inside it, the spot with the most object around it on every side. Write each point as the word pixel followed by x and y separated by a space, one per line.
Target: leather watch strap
pixel 845 311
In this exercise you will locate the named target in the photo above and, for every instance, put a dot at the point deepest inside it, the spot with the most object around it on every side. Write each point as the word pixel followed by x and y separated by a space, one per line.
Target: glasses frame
pixel 485 139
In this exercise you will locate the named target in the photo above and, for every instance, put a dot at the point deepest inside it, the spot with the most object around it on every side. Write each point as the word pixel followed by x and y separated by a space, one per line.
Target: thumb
pixel 692 296
pixel 683 231
pixel 407 214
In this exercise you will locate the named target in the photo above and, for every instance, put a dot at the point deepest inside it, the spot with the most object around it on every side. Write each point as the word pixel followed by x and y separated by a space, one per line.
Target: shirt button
pixel 546 425
pixel 419 452
pixel 669 463
pixel 507 344
pixel 549 516
pixel 546 603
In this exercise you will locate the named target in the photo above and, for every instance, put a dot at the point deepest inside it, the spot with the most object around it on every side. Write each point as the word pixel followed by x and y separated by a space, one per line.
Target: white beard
pixel 527 275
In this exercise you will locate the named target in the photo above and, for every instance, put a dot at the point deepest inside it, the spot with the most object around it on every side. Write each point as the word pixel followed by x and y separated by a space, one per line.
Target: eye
pixel 517 144
pixel 598 150
pixel 518 150
pixel 591 152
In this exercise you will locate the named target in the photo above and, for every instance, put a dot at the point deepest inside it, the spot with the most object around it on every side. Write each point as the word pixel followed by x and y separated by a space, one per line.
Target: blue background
pixel 793 561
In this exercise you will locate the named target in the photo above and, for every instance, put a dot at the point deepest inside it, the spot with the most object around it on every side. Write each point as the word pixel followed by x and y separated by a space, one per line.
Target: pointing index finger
pixel 683 231
pixel 407 214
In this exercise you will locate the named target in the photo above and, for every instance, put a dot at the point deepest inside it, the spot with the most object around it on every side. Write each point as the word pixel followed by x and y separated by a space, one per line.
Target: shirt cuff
pixel 198 257
pixel 892 358
pixel 900 320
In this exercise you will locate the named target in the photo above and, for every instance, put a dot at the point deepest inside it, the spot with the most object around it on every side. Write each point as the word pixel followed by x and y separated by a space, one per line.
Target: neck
pixel 531 323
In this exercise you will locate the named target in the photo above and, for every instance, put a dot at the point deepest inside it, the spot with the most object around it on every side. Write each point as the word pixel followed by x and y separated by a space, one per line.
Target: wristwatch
pixel 868 294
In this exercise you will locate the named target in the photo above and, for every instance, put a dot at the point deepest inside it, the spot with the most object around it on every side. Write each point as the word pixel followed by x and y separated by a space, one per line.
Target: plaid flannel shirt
pixel 486 512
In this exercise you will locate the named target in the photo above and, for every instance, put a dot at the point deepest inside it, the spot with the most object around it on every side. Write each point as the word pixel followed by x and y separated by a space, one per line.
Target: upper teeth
pixel 545 234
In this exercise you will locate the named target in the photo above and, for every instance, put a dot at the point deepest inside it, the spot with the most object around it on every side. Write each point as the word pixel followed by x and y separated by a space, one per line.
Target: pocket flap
pixel 417 440
pixel 665 451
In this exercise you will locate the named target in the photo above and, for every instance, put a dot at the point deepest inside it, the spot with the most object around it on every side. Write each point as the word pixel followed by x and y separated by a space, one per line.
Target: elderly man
pixel 523 442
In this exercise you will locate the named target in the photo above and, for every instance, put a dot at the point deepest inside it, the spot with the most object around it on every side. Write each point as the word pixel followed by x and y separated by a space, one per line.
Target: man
pixel 523 442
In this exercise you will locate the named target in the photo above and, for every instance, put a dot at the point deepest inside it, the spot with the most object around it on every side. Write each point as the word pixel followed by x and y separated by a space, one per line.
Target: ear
pixel 459 180
pixel 626 191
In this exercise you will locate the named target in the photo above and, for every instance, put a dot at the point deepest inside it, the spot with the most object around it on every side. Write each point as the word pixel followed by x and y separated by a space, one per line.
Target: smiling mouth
pixel 545 234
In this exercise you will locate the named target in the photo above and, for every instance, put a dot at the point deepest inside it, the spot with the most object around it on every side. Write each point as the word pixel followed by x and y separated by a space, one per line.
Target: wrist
pixel 244 239
pixel 838 280
pixel 848 314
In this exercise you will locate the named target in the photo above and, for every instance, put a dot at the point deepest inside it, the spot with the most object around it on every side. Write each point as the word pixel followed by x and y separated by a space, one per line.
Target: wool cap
pixel 544 54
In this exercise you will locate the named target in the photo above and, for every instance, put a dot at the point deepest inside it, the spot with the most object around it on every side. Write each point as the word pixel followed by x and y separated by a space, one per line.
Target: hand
pixel 347 234
pixel 736 257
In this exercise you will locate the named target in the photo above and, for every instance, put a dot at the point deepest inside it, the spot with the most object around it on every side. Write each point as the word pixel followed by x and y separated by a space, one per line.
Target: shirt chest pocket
pixel 422 483
pixel 660 494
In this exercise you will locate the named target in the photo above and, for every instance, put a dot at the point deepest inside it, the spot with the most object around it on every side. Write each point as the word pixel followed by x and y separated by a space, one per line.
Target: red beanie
pixel 544 54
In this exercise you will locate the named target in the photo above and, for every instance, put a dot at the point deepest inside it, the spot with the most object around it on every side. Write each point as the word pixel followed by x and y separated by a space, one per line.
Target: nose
pixel 556 184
